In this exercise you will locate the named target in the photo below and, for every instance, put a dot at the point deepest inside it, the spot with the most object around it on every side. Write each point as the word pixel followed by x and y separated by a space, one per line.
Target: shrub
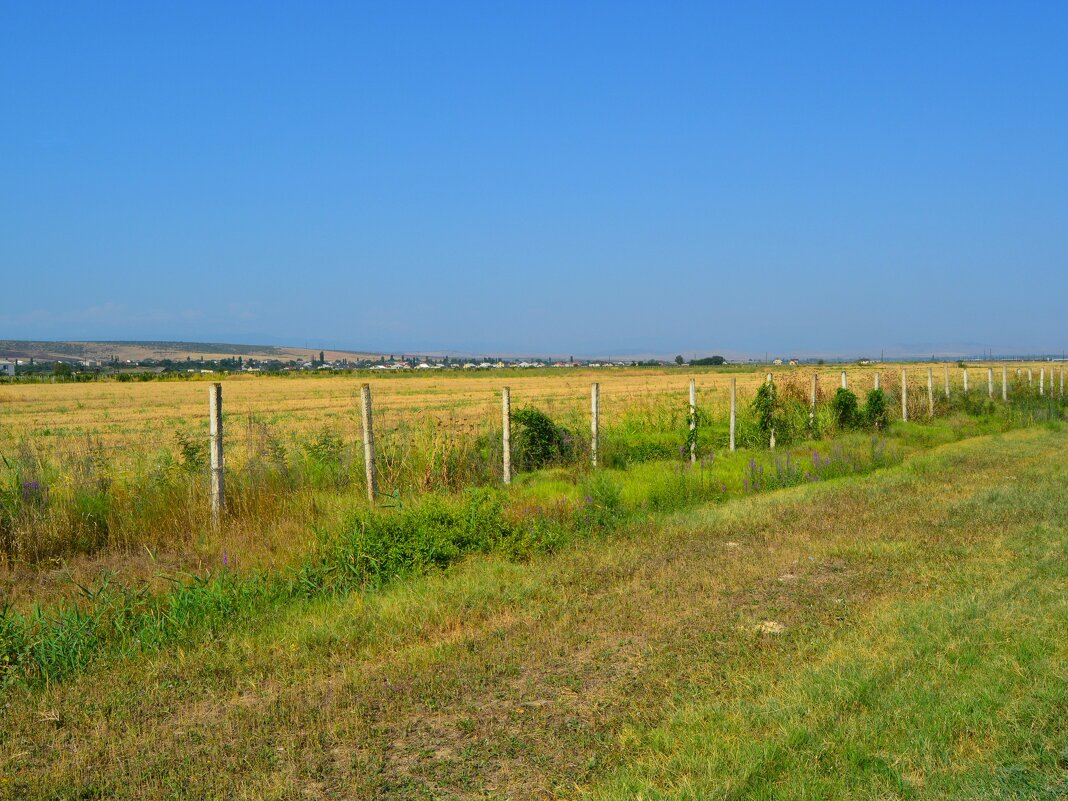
pixel 193 452
pixel 844 406
pixel 875 411
pixel 782 412
pixel 764 408
pixel 539 441
pixel 373 547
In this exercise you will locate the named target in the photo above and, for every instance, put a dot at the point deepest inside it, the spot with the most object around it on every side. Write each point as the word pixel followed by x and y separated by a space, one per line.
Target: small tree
pixel 764 406
pixel 679 360
pixel 538 441
pixel 875 412
pixel 845 409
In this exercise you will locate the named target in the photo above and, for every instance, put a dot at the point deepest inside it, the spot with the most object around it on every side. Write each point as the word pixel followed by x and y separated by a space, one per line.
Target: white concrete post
pixel 595 402
pixel 930 392
pixel 904 396
pixel 812 407
pixel 693 421
pixel 990 382
pixel 965 382
pixel 877 380
pixel 1004 383
pixel 768 379
pixel 1030 382
pixel 215 431
pixel 370 473
pixel 734 407
pixel 845 384
pixel 947 382
pixel 506 434
pixel 1042 381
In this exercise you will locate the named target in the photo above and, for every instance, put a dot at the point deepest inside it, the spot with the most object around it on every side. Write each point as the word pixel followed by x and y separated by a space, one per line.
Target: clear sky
pixel 537 177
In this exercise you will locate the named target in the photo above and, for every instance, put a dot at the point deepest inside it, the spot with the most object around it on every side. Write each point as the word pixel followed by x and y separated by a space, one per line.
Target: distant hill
pixel 137 351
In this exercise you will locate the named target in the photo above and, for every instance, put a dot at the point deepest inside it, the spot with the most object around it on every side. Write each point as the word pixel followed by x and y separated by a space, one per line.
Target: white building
pixel 7 368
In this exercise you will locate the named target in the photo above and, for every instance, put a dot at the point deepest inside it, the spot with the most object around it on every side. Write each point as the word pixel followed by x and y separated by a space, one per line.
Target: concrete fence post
pixel 965 382
pixel 769 379
pixel 1004 383
pixel 930 392
pixel 370 473
pixel 693 421
pixel 904 396
pixel 1042 381
pixel 595 417
pixel 812 406
pixel 506 434
pixel 990 382
pixel 877 380
pixel 734 407
pixel 1030 381
pixel 215 431
pixel 947 382
pixel 845 383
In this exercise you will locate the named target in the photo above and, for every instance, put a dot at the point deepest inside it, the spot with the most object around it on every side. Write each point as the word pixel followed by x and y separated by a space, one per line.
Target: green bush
pixel 875 412
pixel 538 441
pixel 192 452
pixel 373 547
pixel 764 407
pixel 845 408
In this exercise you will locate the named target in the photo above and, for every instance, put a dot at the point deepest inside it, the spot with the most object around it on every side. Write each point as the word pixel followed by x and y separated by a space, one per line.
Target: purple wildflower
pixel 30 489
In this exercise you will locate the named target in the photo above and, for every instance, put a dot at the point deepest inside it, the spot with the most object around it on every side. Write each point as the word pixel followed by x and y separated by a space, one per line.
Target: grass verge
pixel 889 636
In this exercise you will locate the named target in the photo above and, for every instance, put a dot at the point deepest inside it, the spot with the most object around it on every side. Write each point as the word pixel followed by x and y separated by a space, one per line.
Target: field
pixel 871 610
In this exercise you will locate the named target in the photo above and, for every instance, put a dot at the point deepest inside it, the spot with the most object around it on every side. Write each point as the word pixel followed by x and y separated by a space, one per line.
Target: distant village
pixel 238 364
pixel 86 369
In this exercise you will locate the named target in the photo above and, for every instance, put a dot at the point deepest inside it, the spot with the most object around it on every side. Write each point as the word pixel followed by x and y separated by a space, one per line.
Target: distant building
pixel 793 362
pixel 7 368
pixel 777 362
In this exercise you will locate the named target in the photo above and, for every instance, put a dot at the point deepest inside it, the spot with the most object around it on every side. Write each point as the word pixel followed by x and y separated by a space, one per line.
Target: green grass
pixel 369 548
pixel 894 635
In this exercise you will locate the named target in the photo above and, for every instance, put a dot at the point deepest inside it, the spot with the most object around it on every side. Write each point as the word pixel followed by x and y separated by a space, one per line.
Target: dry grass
pixel 124 434
pixel 126 417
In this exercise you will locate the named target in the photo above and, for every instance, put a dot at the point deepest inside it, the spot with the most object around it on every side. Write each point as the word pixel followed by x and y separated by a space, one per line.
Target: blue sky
pixel 540 177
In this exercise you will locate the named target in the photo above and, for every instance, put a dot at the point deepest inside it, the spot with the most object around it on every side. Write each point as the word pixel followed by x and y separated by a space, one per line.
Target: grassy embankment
pixel 897 635
pixel 51 635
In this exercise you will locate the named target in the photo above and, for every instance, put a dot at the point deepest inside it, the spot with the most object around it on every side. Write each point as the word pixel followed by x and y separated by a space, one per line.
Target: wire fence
pixel 76 455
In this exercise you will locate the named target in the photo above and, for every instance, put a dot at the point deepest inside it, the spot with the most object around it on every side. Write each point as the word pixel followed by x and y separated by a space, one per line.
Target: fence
pixel 906 396
pixel 123 464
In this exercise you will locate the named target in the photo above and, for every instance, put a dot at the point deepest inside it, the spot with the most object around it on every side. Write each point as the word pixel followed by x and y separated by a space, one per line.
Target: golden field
pixel 132 416
pixel 113 488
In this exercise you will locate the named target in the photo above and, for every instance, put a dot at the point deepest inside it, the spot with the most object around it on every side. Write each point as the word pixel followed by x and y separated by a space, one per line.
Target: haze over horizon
pixel 605 178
